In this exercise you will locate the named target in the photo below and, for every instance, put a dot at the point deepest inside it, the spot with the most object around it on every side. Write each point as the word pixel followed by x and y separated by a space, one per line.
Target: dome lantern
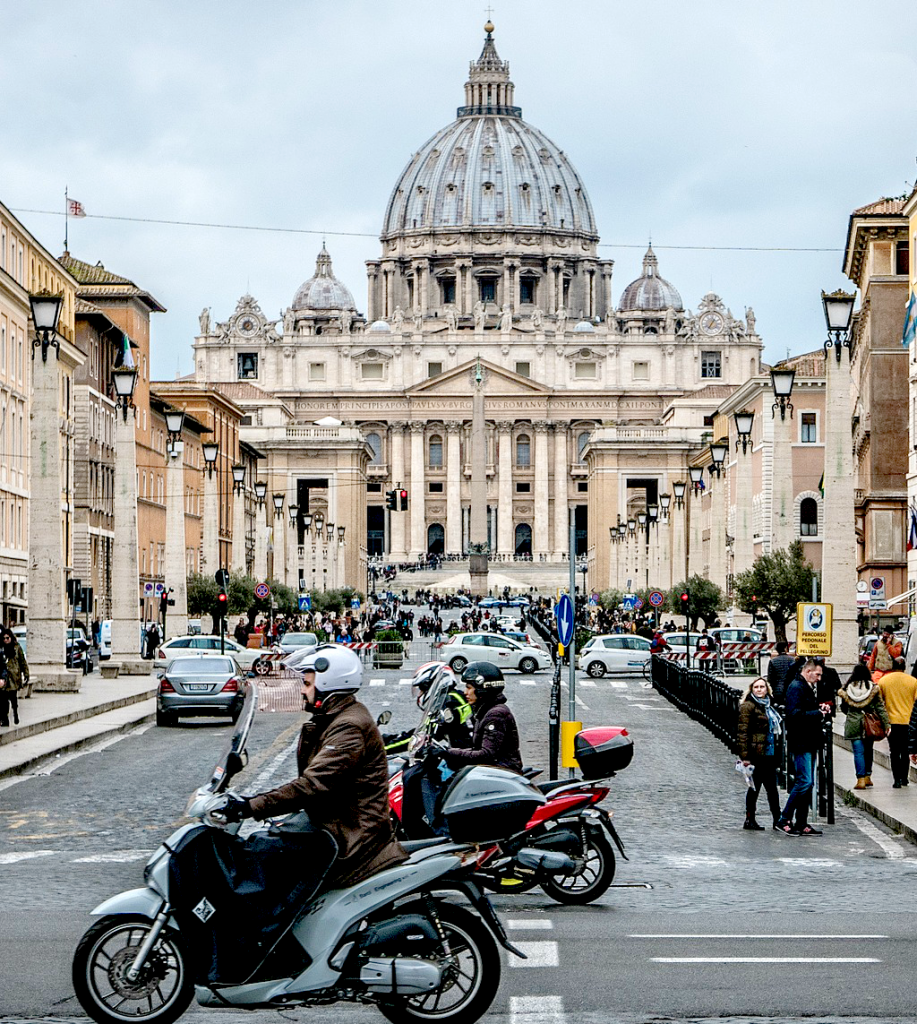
pixel 488 89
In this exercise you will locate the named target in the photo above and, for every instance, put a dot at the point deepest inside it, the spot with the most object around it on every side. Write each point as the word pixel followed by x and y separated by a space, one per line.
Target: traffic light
pixel 684 598
pixel 404 500
pixel 74 590
pixel 221 606
pixel 391 501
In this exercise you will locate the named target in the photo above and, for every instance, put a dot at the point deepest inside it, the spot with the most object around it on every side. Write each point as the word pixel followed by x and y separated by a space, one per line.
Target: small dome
pixel 584 327
pixel 379 327
pixel 650 291
pixel 323 291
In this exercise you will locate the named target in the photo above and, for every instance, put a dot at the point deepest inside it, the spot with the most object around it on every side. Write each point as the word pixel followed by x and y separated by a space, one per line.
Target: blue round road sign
pixel 563 612
pixel 656 598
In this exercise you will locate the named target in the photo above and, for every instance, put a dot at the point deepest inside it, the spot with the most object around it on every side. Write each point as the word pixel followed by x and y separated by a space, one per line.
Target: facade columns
pixel 418 490
pixel 453 487
pixel 125 567
pixel 561 509
pixel 839 564
pixel 210 527
pixel 238 532
pixel 398 547
pixel 176 570
pixel 505 462
pixel 541 541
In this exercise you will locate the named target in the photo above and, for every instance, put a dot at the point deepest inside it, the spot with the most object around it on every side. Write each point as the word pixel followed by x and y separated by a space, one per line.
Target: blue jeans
pixel 862 756
pixel 801 794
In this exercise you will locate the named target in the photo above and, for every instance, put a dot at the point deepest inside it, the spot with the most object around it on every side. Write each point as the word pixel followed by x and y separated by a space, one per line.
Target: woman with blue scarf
pixel 760 728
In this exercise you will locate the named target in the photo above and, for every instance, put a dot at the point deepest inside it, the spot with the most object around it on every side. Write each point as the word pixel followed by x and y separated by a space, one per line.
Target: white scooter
pixel 246 923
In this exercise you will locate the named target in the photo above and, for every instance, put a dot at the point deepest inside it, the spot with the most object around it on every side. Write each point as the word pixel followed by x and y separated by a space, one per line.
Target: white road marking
pixel 124 857
pixel 527 682
pixel 889 844
pixel 404 682
pixel 540 954
pixel 272 766
pixel 377 682
pixel 650 707
pixel 618 684
pixel 726 935
pixel 577 700
pixel 695 862
pixel 806 862
pixel 539 924
pixel 14 858
pixel 536 1010
pixel 765 960
pixel 585 682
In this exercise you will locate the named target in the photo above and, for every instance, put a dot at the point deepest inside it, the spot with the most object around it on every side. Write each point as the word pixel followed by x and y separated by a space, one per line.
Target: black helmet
pixel 484 677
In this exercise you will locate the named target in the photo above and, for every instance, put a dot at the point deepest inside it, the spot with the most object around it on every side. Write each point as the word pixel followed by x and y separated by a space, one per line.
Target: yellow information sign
pixel 813 630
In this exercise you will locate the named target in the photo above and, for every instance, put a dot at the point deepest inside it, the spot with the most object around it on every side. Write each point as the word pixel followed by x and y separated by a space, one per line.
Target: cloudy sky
pixel 740 137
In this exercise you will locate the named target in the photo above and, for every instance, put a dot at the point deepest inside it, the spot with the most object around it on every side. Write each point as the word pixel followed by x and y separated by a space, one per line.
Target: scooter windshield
pixel 233 758
pixel 433 705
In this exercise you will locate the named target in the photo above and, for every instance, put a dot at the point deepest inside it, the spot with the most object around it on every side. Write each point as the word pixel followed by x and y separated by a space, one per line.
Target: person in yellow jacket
pixel 899 691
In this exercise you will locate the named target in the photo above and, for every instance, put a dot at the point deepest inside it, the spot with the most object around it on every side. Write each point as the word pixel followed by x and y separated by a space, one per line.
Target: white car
pixel 294 643
pixel 616 653
pixel 207 644
pixel 496 649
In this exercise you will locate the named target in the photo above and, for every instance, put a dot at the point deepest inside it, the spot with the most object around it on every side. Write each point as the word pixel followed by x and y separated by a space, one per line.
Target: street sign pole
pixel 571 697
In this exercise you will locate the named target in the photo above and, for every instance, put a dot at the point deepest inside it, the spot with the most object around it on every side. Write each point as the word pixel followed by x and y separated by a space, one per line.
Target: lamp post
pixel 261 532
pixel 631 552
pixel 717 560
pixel 839 574
pixel 318 560
pixel 125 566
pixel 340 581
pixel 665 542
pixel 744 544
pixel 782 529
pixel 176 567
pixel 239 531
pixel 643 568
pixel 694 557
pixel 307 550
pixel 278 571
pixel 211 524
pixel 330 564
pixel 46 310
pixel 294 562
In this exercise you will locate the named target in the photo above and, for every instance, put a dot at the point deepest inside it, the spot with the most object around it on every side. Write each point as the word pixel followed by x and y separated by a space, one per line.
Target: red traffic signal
pixel 403 495
pixel 684 597
pixel 221 606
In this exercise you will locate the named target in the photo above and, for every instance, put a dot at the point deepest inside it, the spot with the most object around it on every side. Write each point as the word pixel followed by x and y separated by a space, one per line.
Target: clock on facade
pixel 711 323
pixel 247 326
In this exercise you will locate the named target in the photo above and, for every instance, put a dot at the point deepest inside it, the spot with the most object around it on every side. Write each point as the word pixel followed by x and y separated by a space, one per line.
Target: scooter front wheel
pixel 595 874
pixel 471 972
pixel 159 995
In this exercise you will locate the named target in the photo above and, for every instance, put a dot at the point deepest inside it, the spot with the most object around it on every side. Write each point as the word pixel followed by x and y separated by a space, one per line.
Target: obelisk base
pixel 477 568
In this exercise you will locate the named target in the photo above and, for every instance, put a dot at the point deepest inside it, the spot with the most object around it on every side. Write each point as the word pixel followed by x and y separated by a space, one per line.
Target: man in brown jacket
pixel 343 775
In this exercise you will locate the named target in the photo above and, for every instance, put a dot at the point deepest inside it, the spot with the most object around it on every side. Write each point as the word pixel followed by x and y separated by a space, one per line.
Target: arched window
pixel 523 539
pixel 581 441
pixel 375 442
pixel 523 452
pixel 808 517
pixel 436 539
pixel 436 452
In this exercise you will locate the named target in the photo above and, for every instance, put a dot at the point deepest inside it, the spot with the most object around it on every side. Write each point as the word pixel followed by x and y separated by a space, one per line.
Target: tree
pixel 776 583
pixel 610 599
pixel 706 599
pixel 202 594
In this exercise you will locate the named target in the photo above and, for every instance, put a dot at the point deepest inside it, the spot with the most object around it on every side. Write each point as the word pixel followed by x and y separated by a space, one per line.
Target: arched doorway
pixel 436 539
pixel 523 539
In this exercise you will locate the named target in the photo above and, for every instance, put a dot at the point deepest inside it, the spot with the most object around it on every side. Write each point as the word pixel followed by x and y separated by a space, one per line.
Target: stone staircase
pixel 543 577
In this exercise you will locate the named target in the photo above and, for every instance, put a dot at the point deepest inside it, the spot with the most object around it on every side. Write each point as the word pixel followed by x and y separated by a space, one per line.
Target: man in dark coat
pixel 780 672
pixel 804 737
pixel 343 773
pixel 495 736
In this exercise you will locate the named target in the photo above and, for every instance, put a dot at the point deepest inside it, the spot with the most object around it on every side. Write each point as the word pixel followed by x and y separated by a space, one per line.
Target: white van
pixel 105 640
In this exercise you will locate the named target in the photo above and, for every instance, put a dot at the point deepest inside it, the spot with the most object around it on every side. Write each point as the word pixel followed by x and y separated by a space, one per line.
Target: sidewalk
pixel 57 723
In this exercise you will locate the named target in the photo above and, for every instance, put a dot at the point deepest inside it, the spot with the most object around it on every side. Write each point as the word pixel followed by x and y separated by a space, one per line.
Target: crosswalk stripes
pixel 536 1010
pixel 617 684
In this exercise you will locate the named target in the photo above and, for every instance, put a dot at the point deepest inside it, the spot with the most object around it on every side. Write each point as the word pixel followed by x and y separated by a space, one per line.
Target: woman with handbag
pixel 760 728
pixel 867 720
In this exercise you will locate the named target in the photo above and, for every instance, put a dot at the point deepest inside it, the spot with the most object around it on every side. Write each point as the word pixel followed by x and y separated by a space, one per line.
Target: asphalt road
pixel 705 920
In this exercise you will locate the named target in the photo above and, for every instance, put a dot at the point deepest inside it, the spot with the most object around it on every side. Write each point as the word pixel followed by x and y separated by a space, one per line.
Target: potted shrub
pixel 390 652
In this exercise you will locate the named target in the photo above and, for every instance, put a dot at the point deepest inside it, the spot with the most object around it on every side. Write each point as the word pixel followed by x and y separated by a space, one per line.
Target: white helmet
pixel 335 667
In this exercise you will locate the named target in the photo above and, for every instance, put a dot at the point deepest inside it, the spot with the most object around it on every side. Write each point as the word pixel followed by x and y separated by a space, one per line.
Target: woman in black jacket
pixel 760 728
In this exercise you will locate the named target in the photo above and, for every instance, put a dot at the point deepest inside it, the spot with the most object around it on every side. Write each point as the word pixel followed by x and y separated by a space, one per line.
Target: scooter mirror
pixel 446 715
pixel 384 718
pixel 236 762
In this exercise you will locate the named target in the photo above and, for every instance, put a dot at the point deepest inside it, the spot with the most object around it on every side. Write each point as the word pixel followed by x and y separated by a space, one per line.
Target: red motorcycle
pixel 571 822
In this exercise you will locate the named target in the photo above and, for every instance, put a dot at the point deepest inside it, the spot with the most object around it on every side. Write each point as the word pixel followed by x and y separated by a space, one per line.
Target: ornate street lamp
pixel 838 314
pixel 260 492
pixel 341 530
pixel 278 505
pixel 782 378
pixel 294 514
pixel 238 478
pixel 622 529
pixel 211 452
pixel 653 512
pixel 45 316
pixel 641 519
pixel 307 522
pixel 665 501
pixel 744 421
pixel 330 529
pixel 631 526
pixel 124 380
pixel 679 488
pixel 319 520
pixel 697 477
pixel 718 450
pixel 175 421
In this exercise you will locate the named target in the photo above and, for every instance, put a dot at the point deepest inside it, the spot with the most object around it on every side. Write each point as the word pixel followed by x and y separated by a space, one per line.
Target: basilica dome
pixel 489 169
pixel 323 291
pixel 650 291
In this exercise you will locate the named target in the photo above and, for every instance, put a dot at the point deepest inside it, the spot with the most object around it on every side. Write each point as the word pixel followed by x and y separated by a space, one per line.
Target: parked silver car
pixel 200 685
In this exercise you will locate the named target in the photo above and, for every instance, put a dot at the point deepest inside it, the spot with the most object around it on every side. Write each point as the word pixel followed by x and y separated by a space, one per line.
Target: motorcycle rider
pixel 343 776
pixel 495 736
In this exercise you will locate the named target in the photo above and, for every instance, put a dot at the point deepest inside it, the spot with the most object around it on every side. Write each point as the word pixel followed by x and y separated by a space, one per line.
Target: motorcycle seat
pixel 549 787
pixel 412 845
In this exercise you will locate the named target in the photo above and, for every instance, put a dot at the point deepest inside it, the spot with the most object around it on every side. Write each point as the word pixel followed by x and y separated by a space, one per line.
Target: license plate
pixel 197 687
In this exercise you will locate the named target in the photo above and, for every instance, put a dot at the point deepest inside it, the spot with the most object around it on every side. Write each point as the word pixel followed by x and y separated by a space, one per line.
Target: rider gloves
pixel 236 809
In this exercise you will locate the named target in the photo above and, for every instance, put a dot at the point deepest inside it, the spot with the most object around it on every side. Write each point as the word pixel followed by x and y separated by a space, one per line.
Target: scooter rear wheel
pixel 161 993
pixel 593 879
pixel 471 972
